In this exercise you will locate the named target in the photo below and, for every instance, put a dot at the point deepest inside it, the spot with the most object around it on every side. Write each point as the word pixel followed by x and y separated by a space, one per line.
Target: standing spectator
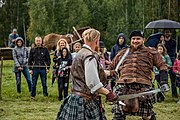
pixel 39 62
pixel 161 39
pixel 63 64
pixel 176 70
pixel 83 103
pixel 170 45
pixel 76 47
pixel 12 37
pixel 104 56
pixel 62 43
pixel 20 56
pixel 162 50
pixel 135 77
pixel 120 43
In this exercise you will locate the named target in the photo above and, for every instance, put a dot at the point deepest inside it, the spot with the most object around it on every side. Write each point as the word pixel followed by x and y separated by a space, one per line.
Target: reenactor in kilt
pixel 88 78
pixel 135 77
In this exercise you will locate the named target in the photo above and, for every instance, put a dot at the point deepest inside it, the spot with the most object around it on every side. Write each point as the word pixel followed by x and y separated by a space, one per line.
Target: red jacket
pixel 176 66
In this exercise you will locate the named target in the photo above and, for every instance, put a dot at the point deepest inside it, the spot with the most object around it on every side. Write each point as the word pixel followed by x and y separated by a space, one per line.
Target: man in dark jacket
pixel 170 45
pixel 120 43
pixel 39 64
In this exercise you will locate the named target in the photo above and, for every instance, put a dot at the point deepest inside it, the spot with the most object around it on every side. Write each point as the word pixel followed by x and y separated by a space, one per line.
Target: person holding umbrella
pixel 170 45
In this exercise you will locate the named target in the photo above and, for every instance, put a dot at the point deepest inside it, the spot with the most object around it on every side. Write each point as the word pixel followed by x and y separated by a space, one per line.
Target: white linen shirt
pixel 91 74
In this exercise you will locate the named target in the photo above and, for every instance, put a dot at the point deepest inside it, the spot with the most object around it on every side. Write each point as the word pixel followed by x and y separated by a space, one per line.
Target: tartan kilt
pixel 75 107
pixel 145 106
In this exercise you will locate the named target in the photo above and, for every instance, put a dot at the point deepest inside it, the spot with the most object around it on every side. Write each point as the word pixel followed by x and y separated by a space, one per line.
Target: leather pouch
pixel 132 105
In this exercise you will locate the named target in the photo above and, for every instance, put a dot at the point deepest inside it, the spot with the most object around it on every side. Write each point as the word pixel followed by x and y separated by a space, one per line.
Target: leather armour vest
pixel 78 73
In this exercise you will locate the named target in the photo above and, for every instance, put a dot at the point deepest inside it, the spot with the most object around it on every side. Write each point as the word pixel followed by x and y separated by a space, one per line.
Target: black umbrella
pixel 164 23
pixel 153 39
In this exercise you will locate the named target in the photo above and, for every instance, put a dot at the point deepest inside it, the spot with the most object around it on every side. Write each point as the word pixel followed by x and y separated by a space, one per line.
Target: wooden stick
pixel 77 33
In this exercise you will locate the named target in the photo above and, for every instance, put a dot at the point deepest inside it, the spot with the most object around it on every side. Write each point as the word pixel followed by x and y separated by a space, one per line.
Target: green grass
pixel 14 106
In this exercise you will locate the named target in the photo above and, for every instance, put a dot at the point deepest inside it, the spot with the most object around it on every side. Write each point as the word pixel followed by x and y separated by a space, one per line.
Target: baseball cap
pixel 14 30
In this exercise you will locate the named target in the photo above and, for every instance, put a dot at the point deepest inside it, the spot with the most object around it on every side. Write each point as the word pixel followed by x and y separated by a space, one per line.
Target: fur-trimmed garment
pixel 138 65
pixel 136 75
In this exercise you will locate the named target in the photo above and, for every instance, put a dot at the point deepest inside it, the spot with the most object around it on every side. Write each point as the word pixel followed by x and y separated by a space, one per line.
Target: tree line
pixel 41 17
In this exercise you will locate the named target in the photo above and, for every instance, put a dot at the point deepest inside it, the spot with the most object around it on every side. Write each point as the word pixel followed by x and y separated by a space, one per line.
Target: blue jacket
pixel 117 47
pixel 10 38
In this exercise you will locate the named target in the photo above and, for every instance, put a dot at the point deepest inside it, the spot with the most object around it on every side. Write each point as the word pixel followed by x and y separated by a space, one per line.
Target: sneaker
pixel 178 102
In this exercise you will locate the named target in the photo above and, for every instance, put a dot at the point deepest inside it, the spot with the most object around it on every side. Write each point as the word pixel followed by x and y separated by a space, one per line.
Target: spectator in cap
pixel 120 44
pixel 12 37
pixel 20 56
pixel 135 77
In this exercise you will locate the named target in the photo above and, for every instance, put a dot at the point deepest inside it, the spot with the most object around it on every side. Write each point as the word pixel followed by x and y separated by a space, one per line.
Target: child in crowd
pixel 64 64
pixel 162 50
pixel 76 47
pixel 176 70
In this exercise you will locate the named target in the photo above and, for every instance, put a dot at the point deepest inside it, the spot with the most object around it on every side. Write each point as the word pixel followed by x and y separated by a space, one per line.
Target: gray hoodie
pixel 20 54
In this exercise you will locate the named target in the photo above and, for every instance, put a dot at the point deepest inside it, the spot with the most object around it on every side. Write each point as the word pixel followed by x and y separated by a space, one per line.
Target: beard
pixel 167 37
pixel 136 47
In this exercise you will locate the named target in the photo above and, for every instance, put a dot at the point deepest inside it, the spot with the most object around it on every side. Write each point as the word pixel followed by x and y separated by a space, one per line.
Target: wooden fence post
pixel 1 68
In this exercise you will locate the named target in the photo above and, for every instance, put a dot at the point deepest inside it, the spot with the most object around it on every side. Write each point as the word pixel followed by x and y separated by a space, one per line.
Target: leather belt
pixel 86 96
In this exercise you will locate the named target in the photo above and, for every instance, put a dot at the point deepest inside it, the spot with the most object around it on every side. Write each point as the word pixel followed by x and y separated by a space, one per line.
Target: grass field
pixel 14 106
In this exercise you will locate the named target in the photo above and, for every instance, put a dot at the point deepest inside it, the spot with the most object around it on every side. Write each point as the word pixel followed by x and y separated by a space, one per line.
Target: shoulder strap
pixel 122 58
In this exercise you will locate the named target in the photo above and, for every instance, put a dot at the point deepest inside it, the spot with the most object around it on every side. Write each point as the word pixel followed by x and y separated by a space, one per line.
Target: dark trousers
pixel 173 83
pixel 43 76
pixel 172 76
pixel 26 74
pixel 160 95
pixel 63 84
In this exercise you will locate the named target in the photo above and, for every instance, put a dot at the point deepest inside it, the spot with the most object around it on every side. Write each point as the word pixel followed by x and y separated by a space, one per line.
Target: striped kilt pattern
pixel 75 107
pixel 145 105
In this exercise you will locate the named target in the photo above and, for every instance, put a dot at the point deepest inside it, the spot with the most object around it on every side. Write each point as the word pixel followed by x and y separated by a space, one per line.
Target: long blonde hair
pixel 90 34
pixel 58 48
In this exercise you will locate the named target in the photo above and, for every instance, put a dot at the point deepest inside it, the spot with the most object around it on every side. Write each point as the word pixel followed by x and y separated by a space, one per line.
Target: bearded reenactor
pixel 87 83
pixel 135 77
